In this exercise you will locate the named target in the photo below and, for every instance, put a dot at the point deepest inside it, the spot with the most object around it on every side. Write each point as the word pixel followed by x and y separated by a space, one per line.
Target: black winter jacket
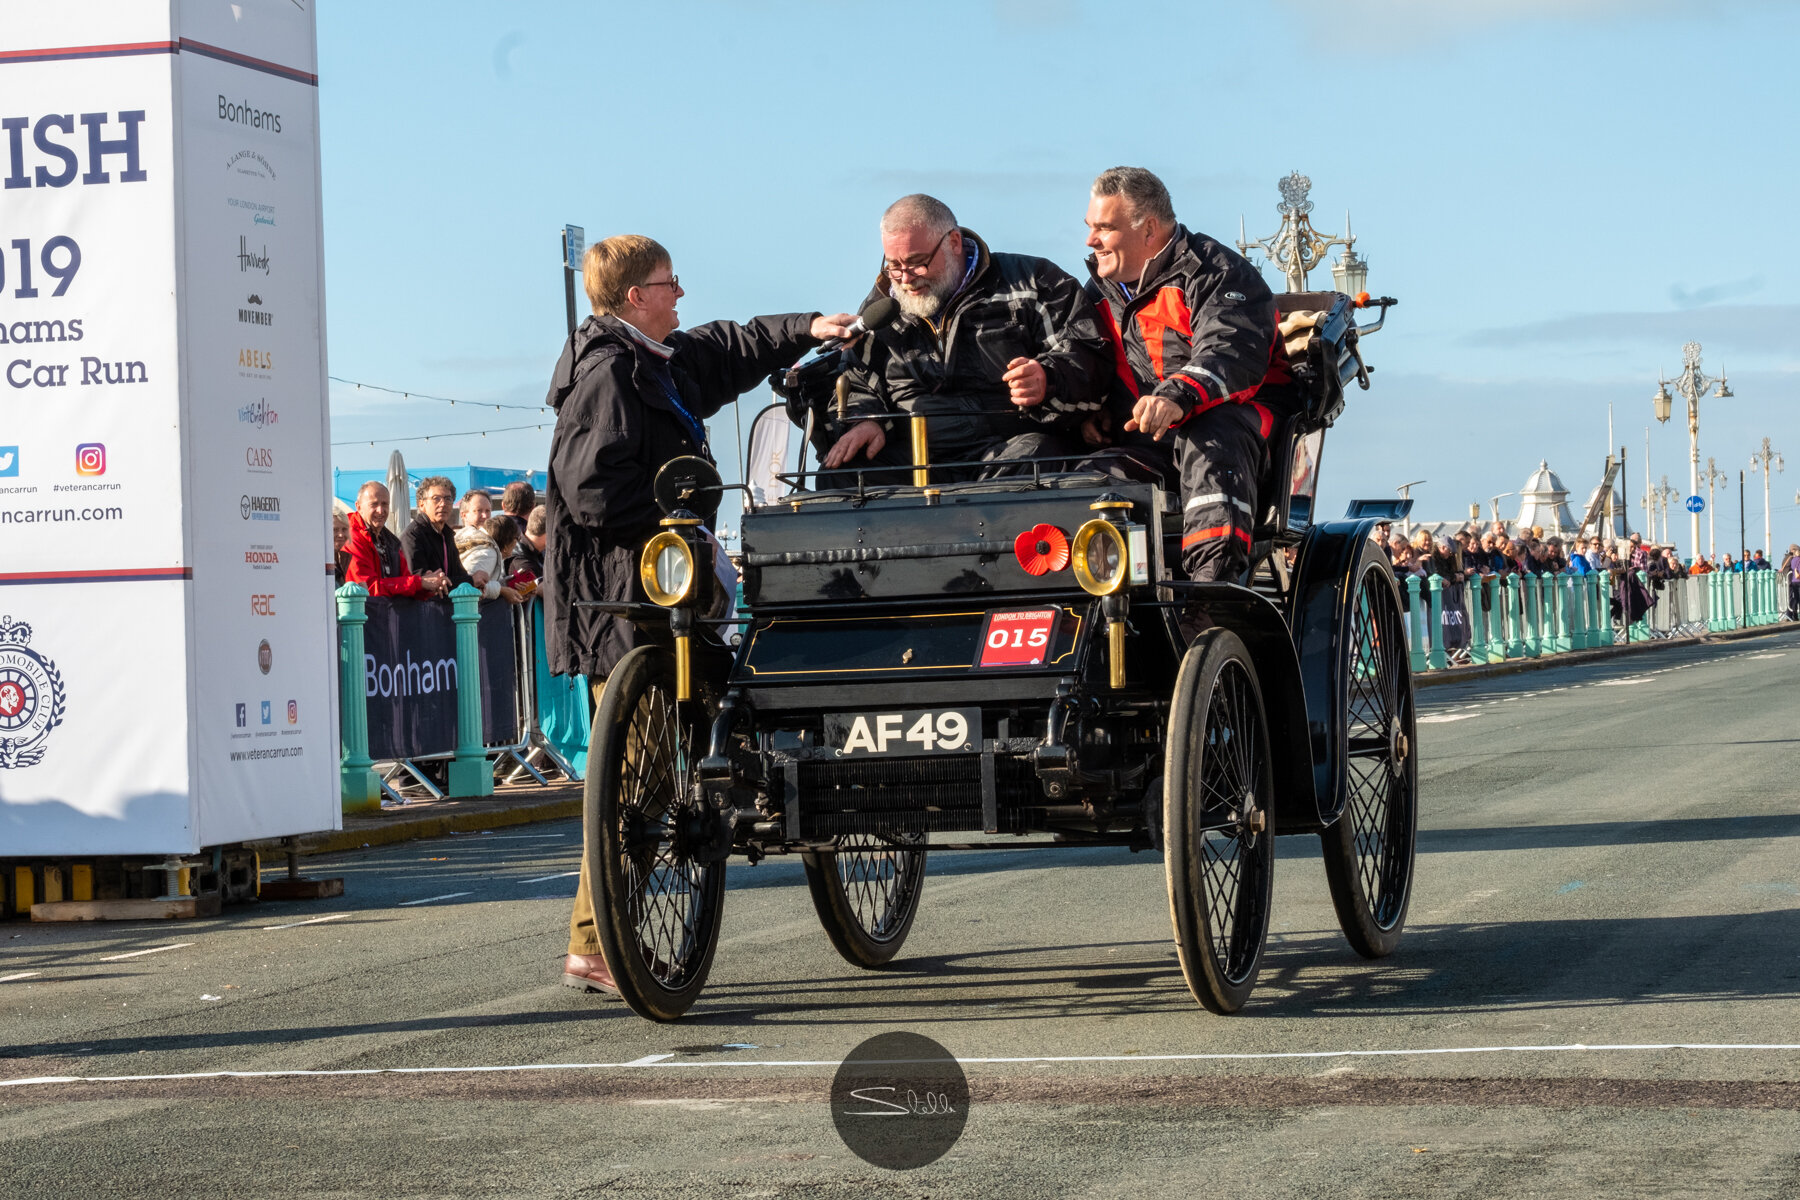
pixel 1015 306
pixel 616 425
pixel 429 549
pixel 1199 330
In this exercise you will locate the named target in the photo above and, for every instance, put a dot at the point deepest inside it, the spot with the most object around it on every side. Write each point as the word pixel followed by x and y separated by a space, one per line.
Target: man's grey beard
pixel 928 303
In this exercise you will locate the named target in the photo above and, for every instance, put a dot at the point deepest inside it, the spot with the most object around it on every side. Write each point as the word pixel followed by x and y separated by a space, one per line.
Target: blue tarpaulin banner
pixel 410 677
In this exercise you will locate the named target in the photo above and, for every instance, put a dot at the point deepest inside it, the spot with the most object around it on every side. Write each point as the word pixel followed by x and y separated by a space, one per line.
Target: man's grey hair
pixel 369 486
pixel 538 521
pixel 1144 194
pixel 918 211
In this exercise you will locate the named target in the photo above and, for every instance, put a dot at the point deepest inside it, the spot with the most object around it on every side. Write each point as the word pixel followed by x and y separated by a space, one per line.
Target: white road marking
pixel 543 878
pixel 1440 718
pixel 434 899
pixel 1622 682
pixel 141 953
pixel 1782 654
pixel 662 1060
pixel 314 921
pixel 18 975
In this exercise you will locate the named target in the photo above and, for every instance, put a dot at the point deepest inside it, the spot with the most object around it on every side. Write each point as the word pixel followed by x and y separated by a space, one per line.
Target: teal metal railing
pixel 1513 617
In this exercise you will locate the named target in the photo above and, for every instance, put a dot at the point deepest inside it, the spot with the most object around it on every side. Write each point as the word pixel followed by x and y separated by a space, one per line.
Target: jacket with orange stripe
pixel 1198 330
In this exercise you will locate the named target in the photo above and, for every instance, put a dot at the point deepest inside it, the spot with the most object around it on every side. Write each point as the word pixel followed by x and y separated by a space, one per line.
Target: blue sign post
pixel 1695 504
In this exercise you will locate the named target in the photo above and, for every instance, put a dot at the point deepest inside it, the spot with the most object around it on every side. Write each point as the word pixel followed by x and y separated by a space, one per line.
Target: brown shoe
pixel 588 972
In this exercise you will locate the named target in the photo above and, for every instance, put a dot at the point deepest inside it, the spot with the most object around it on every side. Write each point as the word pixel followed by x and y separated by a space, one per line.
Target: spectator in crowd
pixel 375 557
pixel 517 501
pixel 430 544
pixel 1728 564
pixel 528 551
pixel 1702 565
pixel 1380 534
pixel 1555 560
pixel 472 512
pixel 1599 556
pixel 482 555
pixel 1758 562
pixel 1790 567
pixel 1447 562
pixel 503 529
pixel 1578 561
pixel 340 534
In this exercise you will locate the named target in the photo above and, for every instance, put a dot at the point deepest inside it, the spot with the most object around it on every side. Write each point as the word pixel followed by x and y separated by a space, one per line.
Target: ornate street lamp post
pixel 1297 247
pixel 1761 460
pixel 1714 477
pixel 1691 383
pixel 1665 501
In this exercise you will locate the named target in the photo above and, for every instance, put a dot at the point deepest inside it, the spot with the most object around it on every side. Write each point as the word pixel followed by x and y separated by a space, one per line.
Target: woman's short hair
pixel 613 266
pixel 503 529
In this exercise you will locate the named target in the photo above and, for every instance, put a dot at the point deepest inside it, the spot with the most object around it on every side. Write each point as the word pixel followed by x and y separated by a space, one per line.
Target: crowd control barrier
pixel 1494 619
pixel 458 683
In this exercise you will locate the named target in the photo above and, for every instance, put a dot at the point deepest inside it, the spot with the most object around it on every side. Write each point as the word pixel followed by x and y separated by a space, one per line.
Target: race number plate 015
pixel 1017 639
pixel 909 731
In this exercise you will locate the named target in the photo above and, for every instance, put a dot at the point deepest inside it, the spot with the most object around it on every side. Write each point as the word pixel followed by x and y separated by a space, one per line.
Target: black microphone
pixel 878 315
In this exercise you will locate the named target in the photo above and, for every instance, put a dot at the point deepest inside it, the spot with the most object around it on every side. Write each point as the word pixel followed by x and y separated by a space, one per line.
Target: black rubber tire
pixel 1218 836
pixel 656 905
pixel 867 893
pixel 1370 848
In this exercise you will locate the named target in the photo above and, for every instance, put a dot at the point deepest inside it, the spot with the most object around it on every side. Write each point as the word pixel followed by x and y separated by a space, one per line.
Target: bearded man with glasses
pixel 1003 352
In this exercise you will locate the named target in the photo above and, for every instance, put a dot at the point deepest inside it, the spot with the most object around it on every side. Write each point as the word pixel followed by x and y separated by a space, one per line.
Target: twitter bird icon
pixel 9 461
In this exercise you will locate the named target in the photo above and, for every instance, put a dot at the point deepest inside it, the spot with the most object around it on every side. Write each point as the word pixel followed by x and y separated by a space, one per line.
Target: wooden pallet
pixel 161 909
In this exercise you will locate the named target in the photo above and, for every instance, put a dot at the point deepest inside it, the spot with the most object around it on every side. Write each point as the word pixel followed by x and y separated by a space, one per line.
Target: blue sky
pixel 1560 193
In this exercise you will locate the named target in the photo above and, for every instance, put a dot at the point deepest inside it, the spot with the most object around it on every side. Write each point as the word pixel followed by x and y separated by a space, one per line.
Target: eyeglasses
pixel 914 265
pixel 673 281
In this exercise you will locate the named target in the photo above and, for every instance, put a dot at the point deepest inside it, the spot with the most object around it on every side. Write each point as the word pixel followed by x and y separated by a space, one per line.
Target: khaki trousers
pixel 584 939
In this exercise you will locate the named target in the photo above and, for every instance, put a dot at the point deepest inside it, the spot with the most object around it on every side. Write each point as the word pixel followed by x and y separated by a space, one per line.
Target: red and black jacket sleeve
pixel 1232 319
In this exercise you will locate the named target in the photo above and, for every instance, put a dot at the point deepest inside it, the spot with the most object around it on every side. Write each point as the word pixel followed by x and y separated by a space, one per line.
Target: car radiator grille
pixel 916 795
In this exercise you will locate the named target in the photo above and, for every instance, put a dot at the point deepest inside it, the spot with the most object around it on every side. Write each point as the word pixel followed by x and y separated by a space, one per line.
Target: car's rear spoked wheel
pixel 652 854
pixel 866 891
pixel 1218 845
pixel 1369 850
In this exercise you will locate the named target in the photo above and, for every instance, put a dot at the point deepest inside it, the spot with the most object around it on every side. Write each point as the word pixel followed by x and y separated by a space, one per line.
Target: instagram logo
pixel 90 458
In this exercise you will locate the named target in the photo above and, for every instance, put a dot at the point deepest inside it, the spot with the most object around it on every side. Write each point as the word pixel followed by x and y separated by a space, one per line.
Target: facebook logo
pixel 266 719
pixel 243 716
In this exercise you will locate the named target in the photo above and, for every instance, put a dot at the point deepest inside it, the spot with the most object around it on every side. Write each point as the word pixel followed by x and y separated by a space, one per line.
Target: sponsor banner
pixel 160 170
pixel 93 755
pixel 255 419
pixel 89 368
pixel 410 677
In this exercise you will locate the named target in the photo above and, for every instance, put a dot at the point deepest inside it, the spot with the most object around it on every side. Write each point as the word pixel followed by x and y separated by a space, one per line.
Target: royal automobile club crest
pixel 32 697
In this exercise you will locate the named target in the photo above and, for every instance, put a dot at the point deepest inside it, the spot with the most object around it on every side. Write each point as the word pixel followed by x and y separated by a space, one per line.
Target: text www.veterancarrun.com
pixel 41 516
pixel 271 752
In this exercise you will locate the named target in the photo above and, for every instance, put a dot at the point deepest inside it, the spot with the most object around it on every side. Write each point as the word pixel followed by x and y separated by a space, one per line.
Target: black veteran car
pixel 921 667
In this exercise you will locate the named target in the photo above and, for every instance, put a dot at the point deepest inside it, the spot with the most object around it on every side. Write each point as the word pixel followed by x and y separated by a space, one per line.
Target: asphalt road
pixel 1609 866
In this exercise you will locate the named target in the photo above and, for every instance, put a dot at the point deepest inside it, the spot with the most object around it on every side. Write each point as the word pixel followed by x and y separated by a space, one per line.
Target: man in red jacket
pixel 1193 331
pixel 375 558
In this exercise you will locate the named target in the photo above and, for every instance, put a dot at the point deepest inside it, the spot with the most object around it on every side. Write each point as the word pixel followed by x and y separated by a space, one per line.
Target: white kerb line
pixel 18 975
pixel 547 878
pixel 652 1061
pixel 434 899
pixel 313 921
pixel 141 953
